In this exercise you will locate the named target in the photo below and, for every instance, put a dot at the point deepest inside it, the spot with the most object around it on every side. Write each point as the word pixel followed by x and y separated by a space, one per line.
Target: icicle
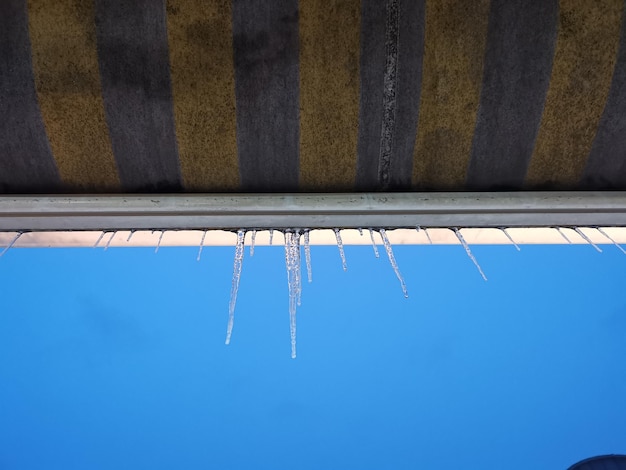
pixel 292 262
pixel 201 245
pixel 99 239
pixel 510 238
pixel 252 241
pixel 241 235
pixel 130 235
pixel 469 252
pixel 307 255
pixel 11 243
pixel 563 235
pixel 392 260
pixel 614 242
pixel 110 240
pixel 580 232
pixel 271 236
pixel 341 252
pixel 360 231
pixel 373 243
pixel 159 242
pixel 418 228
pixel 298 270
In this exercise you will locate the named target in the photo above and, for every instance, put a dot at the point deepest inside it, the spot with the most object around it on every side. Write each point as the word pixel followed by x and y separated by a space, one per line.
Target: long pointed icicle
pixel 252 242
pixel 307 255
pixel 11 243
pixel 110 240
pixel 587 239
pixel 469 252
pixel 201 246
pixel 344 265
pixel 392 260
pixel 510 239
pixel 99 239
pixel 373 243
pixel 241 235
pixel 292 262
pixel 558 229
pixel 614 242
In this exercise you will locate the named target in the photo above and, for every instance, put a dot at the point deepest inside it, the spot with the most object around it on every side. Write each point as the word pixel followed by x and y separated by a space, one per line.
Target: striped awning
pixel 110 96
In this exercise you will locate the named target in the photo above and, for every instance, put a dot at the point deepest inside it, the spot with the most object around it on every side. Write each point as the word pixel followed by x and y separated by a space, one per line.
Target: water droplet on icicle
pixel 510 238
pixel 469 252
pixel 614 242
pixel 392 260
pixel 307 255
pixel 344 265
pixel 587 239
pixel 201 245
pixel 239 248
pixel 373 243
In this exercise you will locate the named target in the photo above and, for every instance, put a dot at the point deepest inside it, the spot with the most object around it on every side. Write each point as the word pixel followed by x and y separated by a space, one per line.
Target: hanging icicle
pixel 99 239
pixel 271 236
pixel 510 238
pixel 392 260
pixel 587 239
pixel 344 265
pixel 307 255
pixel 11 243
pixel 469 252
pixel 110 240
pixel 292 262
pixel 373 243
pixel 201 245
pixel 130 235
pixel 614 242
pixel 156 250
pixel 558 229
pixel 239 248
pixel 252 242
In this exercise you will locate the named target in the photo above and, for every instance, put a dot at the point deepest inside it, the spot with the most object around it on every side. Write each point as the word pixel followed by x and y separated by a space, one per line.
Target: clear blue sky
pixel 116 359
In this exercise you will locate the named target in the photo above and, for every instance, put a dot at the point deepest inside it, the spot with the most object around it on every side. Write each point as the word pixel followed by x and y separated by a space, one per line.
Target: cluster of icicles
pixel 293 238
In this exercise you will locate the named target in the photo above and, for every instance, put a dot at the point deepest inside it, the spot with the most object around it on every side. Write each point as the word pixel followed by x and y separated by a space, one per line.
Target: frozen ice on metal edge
pixel 469 252
pixel 239 248
pixel 392 260
pixel 344 265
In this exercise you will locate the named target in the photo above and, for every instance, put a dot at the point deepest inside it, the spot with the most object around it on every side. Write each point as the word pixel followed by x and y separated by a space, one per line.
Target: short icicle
pixel 344 265
pixel 307 255
pixel 392 260
pixel 130 235
pixel 587 239
pixel 110 240
pixel 558 229
pixel 510 238
pixel 418 228
pixel 241 235
pixel 292 262
pixel 360 231
pixel 614 242
pixel 271 236
pixel 201 245
pixel 156 250
pixel 99 239
pixel 252 242
pixel 11 243
pixel 469 252
pixel 373 242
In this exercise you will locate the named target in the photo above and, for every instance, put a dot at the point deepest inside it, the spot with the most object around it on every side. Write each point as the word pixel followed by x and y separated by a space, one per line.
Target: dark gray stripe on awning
pixel 266 55
pixel 391 62
pixel 26 160
pixel 136 86
pixel 518 61
pixel 606 164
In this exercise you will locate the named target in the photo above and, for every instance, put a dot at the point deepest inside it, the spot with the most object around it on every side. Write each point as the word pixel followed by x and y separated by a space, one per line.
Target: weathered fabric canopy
pixel 129 96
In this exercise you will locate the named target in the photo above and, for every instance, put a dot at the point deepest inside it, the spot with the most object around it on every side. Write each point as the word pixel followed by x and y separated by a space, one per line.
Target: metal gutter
pixel 264 211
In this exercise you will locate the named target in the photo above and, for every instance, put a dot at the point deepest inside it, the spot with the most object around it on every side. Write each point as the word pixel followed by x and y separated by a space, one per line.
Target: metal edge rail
pixel 262 211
